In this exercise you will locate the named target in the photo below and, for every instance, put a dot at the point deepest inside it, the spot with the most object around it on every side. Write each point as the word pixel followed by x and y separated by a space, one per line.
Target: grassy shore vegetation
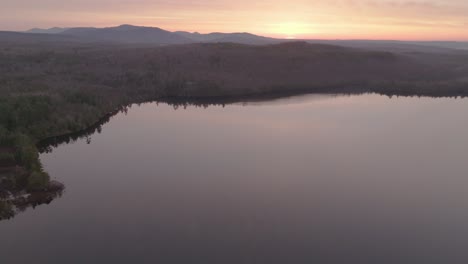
pixel 49 89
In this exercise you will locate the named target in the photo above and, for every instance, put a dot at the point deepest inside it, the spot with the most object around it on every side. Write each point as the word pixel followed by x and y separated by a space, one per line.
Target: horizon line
pixel 239 32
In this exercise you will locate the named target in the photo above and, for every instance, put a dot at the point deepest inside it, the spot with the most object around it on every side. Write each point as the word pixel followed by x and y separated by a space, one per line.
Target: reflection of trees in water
pixel 14 200
pixel 47 145
pixel 183 103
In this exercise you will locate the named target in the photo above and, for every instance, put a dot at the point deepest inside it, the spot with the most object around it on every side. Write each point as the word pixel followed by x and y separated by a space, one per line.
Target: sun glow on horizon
pixel 291 30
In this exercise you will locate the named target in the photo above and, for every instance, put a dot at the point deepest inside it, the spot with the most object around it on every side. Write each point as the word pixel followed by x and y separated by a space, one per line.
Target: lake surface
pixel 311 179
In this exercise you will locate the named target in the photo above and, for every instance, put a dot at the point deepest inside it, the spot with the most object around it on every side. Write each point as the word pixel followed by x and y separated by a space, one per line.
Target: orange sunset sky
pixel 333 19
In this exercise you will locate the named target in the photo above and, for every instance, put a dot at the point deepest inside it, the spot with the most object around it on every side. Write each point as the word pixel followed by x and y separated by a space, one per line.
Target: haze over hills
pixel 54 30
pixel 154 35
pixel 7 37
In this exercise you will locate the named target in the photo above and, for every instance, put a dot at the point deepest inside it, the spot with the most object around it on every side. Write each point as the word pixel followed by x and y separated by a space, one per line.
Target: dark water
pixel 360 179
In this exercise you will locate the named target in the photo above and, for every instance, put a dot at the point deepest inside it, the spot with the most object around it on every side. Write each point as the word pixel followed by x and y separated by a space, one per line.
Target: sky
pixel 316 19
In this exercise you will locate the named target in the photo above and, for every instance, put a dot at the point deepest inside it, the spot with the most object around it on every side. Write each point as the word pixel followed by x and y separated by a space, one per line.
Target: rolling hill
pixel 128 34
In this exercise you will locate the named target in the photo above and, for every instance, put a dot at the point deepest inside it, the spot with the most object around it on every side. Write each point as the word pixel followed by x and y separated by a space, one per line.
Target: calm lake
pixel 310 179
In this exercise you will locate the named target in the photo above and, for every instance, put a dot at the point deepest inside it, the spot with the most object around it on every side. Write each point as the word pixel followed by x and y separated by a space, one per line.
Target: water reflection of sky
pixel 366 178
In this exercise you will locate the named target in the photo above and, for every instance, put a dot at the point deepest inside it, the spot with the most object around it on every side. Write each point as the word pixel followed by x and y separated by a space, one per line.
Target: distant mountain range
pixel 153 35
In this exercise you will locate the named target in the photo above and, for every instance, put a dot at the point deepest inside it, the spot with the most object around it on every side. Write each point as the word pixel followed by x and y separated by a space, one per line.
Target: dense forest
pixel 53 88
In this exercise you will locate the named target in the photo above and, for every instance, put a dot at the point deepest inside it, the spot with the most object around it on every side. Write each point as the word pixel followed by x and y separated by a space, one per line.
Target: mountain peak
pixel 127 26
